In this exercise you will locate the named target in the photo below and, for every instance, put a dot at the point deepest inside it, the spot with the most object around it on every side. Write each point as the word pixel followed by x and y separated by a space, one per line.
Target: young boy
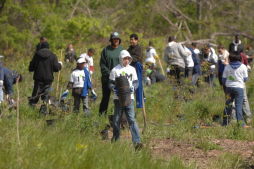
pixel 80 83
pixel 125 70
pixel 234 76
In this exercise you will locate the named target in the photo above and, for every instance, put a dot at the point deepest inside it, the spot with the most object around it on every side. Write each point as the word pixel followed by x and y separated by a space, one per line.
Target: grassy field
pixel 73 141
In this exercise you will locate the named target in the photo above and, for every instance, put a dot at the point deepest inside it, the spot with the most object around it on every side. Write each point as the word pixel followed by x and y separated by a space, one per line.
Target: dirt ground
pixel 189 152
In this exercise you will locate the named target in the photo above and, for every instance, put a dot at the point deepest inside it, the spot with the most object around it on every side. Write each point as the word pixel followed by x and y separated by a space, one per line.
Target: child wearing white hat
pixel 80 83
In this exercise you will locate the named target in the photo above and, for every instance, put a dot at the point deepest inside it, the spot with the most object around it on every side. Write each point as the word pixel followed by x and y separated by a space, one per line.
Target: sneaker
pixel 138 146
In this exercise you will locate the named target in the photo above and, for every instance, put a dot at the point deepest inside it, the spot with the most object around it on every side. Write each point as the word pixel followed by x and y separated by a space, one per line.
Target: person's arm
pixel 183 52
pixel 71 82
pixel 111 84
pixel 104 64
pixel 8 84
pixel 245 74
pixel 32 65
pixel 225 75
pixel 166 59
pixel 135 82
pixel 56 65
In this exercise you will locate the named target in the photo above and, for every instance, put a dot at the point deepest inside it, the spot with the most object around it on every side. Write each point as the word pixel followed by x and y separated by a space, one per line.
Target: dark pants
pixel 105 96
pixel 233 94
pixel 178 73
pixel 77 99
pixel 210 79
pixel 220 81
pixel 188 72
pixel 40 90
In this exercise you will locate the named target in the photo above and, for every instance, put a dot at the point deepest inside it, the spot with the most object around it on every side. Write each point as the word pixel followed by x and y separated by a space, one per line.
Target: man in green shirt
pixel 109 59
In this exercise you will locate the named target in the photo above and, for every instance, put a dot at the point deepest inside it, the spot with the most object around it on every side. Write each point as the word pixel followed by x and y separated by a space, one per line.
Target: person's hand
pixel 115 91
pixel 1 83
pixel 132 89
pixel 7 97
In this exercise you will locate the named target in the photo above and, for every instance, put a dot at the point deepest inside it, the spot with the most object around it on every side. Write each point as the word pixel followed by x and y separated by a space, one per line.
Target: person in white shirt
pixel 234 76
pixel 128 73
pixel 76 83
pixel 211 58
pixel 89 57
pixel 151 54
pixel 223 55
pixel 189 63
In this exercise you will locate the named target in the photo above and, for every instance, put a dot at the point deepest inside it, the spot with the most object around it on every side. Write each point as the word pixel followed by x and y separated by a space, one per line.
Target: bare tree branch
pixel 74 8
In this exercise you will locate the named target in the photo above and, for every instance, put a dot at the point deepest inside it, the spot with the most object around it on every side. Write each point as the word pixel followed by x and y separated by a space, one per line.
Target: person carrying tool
pixel 80 83
pixel 43 64
pixel 123 82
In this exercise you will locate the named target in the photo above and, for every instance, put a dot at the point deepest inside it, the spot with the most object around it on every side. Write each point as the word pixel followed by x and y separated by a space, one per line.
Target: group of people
pixel 231 67
pixel 123 72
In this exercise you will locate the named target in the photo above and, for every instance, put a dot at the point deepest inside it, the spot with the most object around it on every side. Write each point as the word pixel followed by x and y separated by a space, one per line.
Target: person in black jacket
pixel 135 50
pixel 43 64
pixel 236 46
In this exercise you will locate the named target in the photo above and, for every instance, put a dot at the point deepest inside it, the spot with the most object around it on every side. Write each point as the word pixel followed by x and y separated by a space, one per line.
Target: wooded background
pixel 81 22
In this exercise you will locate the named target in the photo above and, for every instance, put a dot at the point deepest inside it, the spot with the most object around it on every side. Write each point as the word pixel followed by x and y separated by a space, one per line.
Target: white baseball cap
pixel 81 60
pixel 124 53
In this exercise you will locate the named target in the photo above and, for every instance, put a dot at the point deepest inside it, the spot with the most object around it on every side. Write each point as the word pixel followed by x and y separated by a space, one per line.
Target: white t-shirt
pixel 150 55
pixel 77 78
pixel 128 71
pixel 189 60
pixel 235 77
pixel 224 56
pixel 88 58
pixel 212 56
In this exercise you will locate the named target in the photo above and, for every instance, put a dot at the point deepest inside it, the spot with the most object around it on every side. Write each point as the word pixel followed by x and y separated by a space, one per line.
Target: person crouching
pixel 118 84
pixel 80 83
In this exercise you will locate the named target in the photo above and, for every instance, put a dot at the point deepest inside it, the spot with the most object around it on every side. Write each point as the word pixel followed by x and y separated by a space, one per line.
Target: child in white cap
pixel 80 83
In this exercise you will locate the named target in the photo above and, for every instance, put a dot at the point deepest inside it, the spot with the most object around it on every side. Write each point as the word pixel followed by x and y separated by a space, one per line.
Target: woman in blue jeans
pixel 234 76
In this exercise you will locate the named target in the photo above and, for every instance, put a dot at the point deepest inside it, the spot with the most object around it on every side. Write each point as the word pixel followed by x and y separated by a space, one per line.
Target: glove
pixel 115 91
pixel 60 62
pixel 132 89
pixel 65 94
pixel 93 93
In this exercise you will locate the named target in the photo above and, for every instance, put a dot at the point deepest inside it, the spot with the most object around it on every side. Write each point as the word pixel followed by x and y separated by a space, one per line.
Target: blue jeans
pixel 130 115
pixel 234 94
